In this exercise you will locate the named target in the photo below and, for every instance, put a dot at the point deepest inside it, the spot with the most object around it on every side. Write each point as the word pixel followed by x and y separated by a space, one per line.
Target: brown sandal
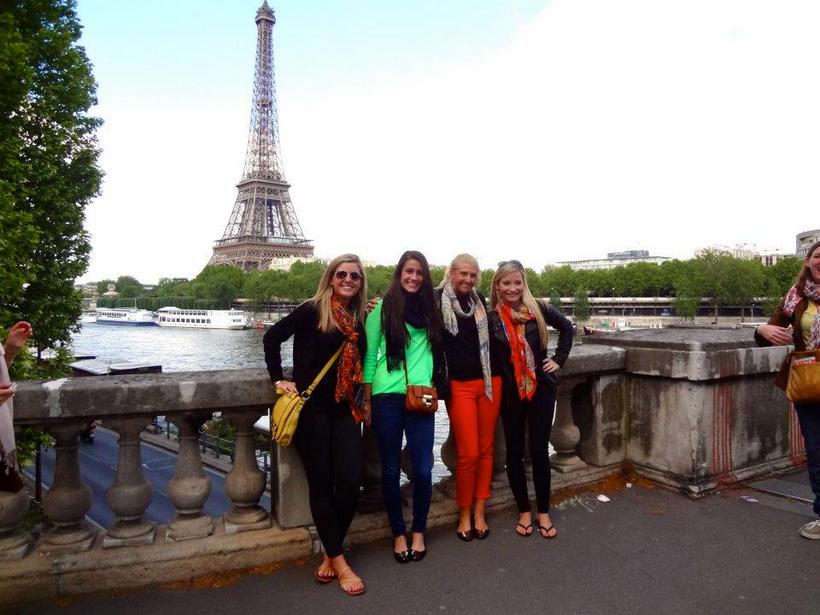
pixel 324 578
pixel 347 572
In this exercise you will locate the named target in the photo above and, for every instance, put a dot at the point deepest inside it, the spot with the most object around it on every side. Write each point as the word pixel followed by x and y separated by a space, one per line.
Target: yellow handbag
pixel 286 410
pixel 804 377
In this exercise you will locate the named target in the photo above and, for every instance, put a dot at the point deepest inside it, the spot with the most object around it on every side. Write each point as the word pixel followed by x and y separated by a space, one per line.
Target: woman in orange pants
pixel 475 392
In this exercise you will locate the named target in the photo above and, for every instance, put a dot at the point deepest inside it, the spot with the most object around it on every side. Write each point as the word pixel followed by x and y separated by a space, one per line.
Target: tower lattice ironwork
pixel 263 224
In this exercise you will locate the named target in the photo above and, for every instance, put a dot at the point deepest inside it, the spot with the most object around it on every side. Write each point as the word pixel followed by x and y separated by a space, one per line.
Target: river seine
pixel 177 350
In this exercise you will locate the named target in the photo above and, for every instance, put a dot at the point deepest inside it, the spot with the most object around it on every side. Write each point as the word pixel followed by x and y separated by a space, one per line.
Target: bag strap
pixel 406 381
pixel 324 371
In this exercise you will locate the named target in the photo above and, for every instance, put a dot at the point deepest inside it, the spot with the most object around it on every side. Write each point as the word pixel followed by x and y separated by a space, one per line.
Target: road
pixel 98 466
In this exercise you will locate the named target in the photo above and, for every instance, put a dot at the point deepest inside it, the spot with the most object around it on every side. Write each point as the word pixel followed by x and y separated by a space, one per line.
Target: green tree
pixel 48 164
pixel 102 286
pixel 220 283
pixel 129 287
pixel 555 298
pixel 582 309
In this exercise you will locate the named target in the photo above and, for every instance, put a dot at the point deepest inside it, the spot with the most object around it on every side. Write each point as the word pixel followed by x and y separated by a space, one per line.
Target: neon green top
pixel 418 355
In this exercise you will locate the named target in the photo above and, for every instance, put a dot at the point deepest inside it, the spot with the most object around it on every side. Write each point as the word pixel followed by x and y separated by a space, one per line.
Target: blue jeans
pixel 390 421
pixel 809 416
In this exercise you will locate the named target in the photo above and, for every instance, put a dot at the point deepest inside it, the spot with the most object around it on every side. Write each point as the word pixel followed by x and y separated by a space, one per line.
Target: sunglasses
pixel 342 275
pixel 511 262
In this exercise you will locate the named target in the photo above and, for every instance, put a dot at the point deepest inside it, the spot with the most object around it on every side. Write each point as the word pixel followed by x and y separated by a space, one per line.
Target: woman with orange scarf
pixel 518 334
pixel 328 436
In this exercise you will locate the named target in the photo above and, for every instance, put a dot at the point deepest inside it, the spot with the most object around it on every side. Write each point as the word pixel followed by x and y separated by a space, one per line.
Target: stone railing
pixel 686 408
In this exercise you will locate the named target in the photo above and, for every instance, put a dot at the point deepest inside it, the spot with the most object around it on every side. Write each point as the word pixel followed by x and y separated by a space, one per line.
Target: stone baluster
pixel 565 434
pixel 69 499
pixel 245 483
pixel 14 542
pixel 190 487
pixel 447 485
pixel 130 493
pixel 371 498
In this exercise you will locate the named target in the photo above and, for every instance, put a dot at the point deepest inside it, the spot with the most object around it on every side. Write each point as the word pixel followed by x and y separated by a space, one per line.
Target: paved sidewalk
pixel 645 551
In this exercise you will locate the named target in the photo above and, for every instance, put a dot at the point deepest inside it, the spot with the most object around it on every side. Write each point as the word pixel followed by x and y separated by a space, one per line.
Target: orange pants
pixel 473 418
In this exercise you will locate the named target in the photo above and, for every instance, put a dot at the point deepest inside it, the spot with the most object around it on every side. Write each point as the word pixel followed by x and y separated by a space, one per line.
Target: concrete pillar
pixel 130 493
pixel 245 484
pixel 565 434
pixel 190 487
pixel 69 499
pixel 14 542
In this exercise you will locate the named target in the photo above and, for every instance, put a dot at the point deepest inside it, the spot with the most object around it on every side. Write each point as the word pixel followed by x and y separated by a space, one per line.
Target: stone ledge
pixel 699 365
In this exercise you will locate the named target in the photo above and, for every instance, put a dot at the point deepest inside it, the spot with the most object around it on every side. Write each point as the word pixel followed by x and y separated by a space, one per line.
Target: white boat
pixel 88 317
pixel 125 316
pixel 202 319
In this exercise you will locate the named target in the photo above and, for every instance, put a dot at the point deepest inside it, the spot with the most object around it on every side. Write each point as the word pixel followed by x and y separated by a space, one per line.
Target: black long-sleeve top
pixel 463 350
pixel 501 345
pixel 312 349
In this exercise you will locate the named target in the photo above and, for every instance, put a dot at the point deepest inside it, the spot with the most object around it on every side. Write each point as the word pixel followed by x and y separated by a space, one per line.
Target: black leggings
pixel 536 415
pixel 330 445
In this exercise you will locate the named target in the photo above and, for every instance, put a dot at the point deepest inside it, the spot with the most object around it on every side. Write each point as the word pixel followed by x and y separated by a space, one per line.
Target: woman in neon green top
pixel 404 331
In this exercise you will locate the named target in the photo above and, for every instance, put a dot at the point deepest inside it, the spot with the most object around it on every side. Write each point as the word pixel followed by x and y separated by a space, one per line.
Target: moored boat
pixel 125 316
pixel 201 319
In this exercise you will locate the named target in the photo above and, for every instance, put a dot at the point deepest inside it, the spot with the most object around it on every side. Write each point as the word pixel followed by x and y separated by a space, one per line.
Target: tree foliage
pixel 48 164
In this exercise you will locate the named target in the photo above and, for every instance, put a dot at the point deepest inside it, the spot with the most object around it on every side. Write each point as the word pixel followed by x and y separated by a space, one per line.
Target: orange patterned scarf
pixel 521 354
pixel 349 378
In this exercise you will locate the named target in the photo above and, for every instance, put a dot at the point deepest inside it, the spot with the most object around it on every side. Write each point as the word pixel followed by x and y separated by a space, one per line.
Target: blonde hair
pixel 325 291
pixel 460 259
pixel 505 268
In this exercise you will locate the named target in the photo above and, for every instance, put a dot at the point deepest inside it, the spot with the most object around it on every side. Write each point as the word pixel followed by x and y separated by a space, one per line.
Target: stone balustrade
pixel 691 409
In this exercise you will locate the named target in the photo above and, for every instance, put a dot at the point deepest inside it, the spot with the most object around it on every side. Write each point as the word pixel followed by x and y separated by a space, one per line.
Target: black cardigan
pixel 500 346
pixel 312 349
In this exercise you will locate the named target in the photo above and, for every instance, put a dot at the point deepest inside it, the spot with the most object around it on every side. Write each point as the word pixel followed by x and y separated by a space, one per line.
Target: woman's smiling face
pixel 412 276
pixel 511 288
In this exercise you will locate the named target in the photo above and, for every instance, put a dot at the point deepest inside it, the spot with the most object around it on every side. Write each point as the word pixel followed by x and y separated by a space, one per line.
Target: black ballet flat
pixel 417 556
pixel 481 534
pixel 465 535
pixel 402 557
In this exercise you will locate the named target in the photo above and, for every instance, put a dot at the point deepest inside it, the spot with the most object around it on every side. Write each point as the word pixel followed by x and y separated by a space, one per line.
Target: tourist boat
pixel 124 316
pixel 201 319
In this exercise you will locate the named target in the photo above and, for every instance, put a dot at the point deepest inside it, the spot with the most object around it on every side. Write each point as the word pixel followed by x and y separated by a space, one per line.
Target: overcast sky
pixel 543 131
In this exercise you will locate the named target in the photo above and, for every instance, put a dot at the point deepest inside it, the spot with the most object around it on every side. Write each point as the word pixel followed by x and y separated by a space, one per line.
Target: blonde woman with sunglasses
pixel 328 437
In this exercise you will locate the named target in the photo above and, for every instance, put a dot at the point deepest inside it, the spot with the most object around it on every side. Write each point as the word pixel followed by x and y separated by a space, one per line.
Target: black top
pixel 501 345
pixel 463 350
pixel 312 349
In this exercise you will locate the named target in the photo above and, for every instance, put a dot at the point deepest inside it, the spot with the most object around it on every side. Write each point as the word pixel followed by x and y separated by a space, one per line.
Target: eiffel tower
pixel 263 224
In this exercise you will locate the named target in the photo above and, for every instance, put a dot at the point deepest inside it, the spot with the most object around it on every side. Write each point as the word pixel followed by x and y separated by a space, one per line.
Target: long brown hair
pixel 393 306
pixel 805 273
pixel 324 291
pixel 506 268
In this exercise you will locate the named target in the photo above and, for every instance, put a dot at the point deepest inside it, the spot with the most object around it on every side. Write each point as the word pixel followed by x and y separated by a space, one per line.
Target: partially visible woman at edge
pixel 799 309
pixel 518 329
pixel 475 391
pixel 328 436
pixel 404 346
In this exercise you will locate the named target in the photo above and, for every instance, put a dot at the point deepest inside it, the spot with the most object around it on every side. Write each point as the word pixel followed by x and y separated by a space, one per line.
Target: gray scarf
pixel 451 310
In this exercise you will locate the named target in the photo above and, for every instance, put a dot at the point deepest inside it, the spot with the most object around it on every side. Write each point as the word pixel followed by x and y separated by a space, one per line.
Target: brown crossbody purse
pixel 419 398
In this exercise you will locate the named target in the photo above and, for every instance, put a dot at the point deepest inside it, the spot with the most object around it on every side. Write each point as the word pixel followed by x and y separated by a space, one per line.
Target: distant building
pixel 283 263
pixel 616 259
pixel 804 240
pixel 743 251
pixel 770 259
